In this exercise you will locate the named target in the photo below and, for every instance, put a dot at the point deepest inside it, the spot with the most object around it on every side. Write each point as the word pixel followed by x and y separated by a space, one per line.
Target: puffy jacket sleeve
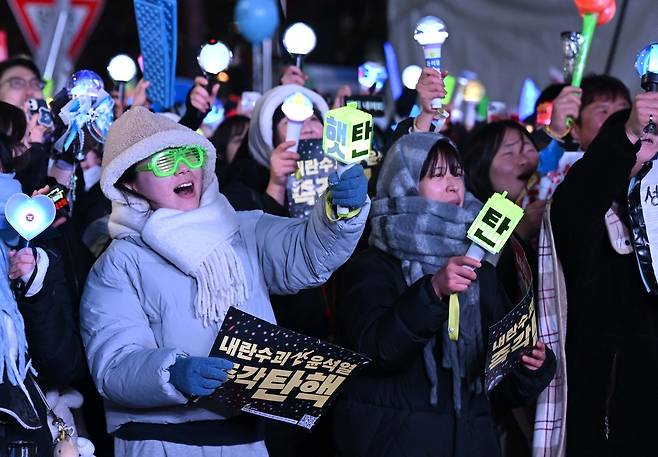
pixel 125 362
pixel 592 184
pixel 381 318
pixel 296 254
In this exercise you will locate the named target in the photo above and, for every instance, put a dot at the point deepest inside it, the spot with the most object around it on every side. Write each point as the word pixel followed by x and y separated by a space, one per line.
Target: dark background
pixel 349 32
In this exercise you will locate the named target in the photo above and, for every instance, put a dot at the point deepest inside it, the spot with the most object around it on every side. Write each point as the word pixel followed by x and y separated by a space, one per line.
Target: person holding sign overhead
pixel 612 313
pixel 423 393
pixel 181 256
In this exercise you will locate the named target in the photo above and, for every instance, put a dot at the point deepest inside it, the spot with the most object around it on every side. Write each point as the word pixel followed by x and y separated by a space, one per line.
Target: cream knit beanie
pixel 138 134
pixel 261 128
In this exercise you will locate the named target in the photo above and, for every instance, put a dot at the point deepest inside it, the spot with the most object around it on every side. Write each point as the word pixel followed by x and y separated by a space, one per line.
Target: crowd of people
pixel 120 300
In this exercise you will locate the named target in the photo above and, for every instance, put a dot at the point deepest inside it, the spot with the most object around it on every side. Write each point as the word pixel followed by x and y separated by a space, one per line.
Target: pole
pixel 615 37
pixel 257 70
pixel 267 64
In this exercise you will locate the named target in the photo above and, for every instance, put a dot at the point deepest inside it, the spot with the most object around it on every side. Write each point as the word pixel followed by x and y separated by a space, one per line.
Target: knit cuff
pixel 331 210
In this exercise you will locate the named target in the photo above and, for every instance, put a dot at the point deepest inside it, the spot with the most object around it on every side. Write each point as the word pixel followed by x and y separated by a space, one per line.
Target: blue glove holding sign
pixel 350 190
pixel 199 376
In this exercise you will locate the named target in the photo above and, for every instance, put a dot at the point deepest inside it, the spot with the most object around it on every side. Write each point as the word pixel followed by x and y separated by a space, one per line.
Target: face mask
pixel 92 176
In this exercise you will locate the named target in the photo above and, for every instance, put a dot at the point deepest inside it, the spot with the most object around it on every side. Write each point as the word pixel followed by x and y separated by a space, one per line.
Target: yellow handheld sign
pixel 347 134
pixel 495 223
pixel 489 232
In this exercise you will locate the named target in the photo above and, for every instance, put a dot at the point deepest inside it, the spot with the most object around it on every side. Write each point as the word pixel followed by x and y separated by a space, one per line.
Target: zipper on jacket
pixel 612 381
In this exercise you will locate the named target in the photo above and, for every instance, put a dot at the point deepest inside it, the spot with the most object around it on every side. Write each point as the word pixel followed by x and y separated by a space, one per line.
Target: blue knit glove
pixel 198 376
pixel 351 189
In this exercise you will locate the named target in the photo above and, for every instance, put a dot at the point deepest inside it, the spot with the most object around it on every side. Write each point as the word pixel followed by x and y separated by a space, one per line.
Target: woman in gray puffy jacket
pixel 180 257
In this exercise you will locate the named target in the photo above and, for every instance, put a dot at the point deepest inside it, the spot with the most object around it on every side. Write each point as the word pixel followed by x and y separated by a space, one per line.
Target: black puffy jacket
pixel 385 410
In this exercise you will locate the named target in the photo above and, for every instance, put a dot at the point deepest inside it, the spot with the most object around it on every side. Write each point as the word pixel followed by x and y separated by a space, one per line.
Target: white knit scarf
pixel 197 242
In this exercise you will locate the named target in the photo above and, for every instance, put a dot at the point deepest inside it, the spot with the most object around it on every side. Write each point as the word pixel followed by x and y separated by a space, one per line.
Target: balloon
pixel 607 14
pixel 591 6
pixel 257 19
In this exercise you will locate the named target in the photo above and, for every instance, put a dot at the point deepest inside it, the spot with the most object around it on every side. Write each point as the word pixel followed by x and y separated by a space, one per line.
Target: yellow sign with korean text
pixel 495 223
pixel 347 134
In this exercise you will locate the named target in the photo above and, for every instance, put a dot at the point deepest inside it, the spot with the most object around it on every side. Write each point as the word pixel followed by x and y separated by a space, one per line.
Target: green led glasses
pixel 167 162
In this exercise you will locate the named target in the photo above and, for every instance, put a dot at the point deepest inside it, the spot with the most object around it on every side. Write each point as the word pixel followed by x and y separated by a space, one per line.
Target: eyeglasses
pixel 22 84
pixel 166 162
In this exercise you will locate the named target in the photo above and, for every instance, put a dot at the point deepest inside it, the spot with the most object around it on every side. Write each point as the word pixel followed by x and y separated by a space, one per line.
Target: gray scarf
pixel 424 234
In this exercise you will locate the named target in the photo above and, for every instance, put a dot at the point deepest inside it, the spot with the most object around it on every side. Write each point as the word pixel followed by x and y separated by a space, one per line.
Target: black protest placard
pixel 306 186
pixel 512 336
pixel 516 333
pixel 278 374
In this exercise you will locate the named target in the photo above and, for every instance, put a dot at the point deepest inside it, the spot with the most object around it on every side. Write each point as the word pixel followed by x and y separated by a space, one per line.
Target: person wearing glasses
pixel 180 257
pixel 20 80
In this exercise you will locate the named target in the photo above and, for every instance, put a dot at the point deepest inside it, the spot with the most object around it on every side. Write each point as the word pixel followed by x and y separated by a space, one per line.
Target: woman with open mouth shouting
pixel 180 257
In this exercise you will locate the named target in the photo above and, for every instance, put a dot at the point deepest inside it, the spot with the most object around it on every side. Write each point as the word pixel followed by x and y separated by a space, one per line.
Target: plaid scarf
pixel 551 414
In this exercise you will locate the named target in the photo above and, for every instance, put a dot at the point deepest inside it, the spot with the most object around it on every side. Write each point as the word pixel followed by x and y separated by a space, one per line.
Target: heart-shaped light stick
pixel 29 216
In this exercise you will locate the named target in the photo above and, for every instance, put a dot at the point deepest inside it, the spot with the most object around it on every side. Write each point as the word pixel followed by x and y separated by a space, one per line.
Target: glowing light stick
pixel 410 76
pixel 594 12
pixel 297 107
pixel 571 43
pixel 213 58
pixel 431 33
pixel 85 82
pixel 347 138
pixel 122 69
pixel 457 114
pixel 372 76
pixel 299 40
pixel 473 94
pixel 646 65
pixel 29 216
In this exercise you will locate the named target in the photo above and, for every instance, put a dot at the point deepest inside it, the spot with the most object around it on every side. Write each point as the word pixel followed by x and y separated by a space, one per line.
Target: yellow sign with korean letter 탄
pixel 489 232
pixel 347 134
pixel 495 223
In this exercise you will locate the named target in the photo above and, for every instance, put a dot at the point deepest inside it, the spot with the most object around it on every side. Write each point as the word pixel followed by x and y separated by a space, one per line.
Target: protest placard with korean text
pixel 278 374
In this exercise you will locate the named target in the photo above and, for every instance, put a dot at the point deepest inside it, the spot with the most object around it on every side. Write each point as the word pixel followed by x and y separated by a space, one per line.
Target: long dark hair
pixel 12 130
pixel 480 151
pixel 230 127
